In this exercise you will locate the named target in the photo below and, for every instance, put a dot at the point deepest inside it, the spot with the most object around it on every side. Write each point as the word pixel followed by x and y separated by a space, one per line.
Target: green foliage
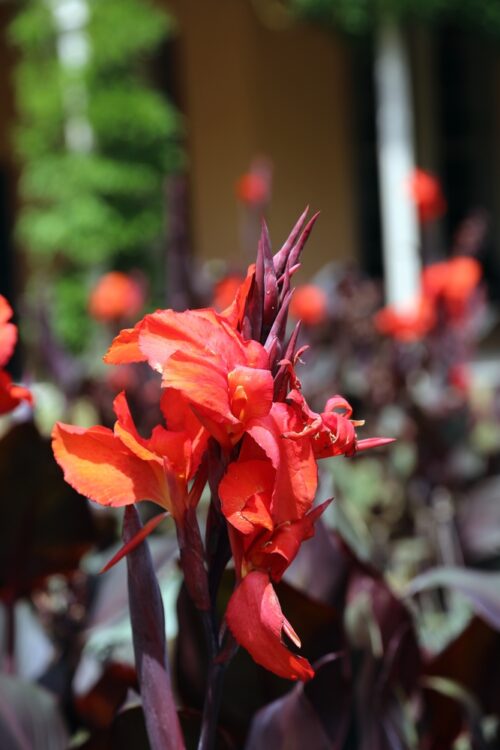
pixel 359 16
pixel 101 207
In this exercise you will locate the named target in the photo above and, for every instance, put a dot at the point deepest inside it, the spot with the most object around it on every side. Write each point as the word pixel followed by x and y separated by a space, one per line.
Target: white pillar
pixel 396 161
pixel 73 49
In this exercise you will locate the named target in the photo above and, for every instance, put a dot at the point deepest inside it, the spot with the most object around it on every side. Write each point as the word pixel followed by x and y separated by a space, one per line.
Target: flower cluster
pixel 11 395
pixel 235 416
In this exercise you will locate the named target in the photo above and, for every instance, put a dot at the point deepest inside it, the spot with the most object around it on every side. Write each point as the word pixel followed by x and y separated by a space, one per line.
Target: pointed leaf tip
pixel 134 542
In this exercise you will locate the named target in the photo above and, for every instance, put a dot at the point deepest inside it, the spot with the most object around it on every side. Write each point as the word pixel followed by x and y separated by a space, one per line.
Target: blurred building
pixel 251 81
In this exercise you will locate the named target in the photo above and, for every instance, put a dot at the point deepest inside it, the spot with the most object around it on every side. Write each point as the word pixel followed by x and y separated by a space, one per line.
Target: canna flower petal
pixel 255 619
pixel 245 494
pixel 98 465
pixel 225 379
pixel 275 553
pixel 250 392
pixel 235 312
pixel 332 433
pixel 180 418
pixel 296 470
pixel 125 348
pixel 201 333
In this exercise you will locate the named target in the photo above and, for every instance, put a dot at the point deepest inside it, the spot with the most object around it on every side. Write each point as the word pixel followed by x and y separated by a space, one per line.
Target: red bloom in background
pixel 407 325
pixel 225 291
pixel 453 283
pixel 8 332
pixel 427 195
pixel 253 189
pixel 309 304
pixel 11 395
pixel 116 296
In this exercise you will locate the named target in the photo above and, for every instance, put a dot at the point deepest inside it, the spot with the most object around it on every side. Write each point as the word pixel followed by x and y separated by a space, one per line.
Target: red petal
pixel 98 465
pixel 125 429
pixel 278 552
pixel 296 469
pixel 235 312
pixel 245 494
pixel 250 392
pixel 255 619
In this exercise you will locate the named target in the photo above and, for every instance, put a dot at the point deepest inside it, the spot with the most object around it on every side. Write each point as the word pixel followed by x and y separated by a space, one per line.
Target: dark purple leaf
pixel 281 257
pixel 290 723
pixel 148 629
pixel 270 295
pixel 296 251
pixel 278 328
pixel 330 692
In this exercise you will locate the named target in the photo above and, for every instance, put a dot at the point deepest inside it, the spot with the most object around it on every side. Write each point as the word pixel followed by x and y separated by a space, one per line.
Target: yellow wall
pixel 248 90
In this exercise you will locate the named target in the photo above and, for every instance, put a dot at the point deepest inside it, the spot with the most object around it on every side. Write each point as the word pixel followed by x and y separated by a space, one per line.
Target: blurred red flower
pixel 452 282
pixel 407 325
pixel 253 189
pixel 427 195
pixel 11 395
pixel 309 304
pixel 115 296
pixel 225 291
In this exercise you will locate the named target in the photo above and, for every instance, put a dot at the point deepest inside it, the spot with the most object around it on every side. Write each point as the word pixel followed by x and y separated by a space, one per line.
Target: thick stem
pixel 212 704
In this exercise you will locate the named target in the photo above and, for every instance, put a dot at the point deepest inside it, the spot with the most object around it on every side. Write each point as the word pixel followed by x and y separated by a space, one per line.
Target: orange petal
pixel 125 348
pixel 98 465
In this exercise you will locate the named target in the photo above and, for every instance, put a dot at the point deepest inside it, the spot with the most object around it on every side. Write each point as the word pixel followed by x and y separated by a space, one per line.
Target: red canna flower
pixel 427 195
pixel 224 378
pixel 116 296
pixel 309 304
pixel 11 395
